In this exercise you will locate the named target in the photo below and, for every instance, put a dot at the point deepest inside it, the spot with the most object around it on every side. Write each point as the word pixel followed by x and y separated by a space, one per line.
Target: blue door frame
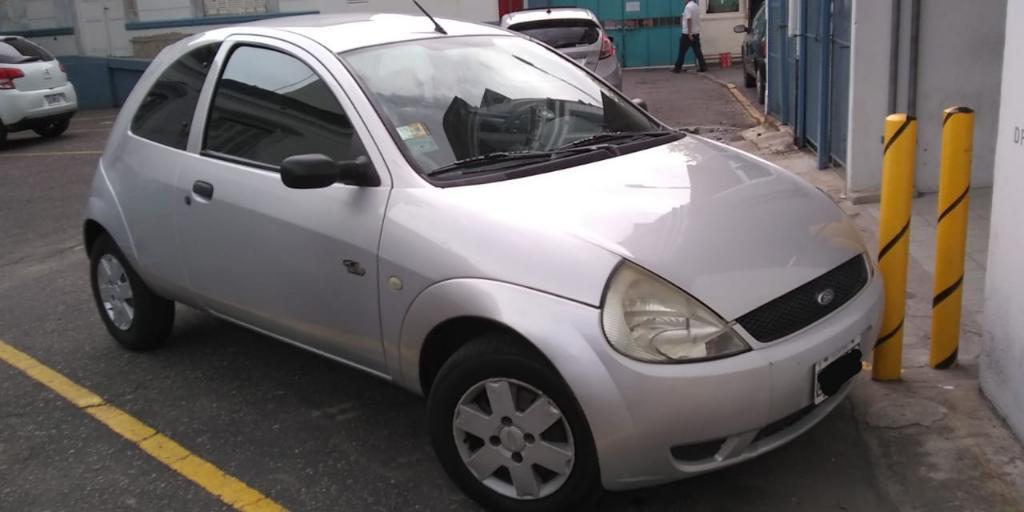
pixel 781 59
pixel 821 88
pixel 842 32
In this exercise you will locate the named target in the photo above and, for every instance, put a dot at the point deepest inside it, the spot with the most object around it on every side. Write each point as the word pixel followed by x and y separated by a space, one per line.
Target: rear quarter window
pixel 165 114
pixel 18 51
pixel 561 33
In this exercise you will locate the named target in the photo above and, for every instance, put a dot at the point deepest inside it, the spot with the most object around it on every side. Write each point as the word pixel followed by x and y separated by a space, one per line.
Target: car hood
pixel 732 230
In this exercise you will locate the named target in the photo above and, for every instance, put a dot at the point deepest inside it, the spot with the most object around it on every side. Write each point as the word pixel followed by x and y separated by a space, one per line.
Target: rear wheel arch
pixel 449 336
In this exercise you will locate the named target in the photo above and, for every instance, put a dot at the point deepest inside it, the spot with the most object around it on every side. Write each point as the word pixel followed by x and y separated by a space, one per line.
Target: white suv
pixel 34 90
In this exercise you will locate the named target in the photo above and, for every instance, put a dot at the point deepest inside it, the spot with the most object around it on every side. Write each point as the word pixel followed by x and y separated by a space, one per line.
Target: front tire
pixel 762 88
pixel 135 316
pixel 53 129
pixel 749 81
pixel 509 432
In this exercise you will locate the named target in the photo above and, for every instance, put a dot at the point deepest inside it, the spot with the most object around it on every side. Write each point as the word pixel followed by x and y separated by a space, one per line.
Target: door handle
pixel 203 189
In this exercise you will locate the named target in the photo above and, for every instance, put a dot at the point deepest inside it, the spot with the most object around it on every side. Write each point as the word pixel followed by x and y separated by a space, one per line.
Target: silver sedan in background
pixel 573 31
pixel 588 299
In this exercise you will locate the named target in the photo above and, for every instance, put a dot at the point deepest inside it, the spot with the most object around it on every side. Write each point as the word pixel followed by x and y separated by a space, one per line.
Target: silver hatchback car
pixel 573 31
pixel 587 298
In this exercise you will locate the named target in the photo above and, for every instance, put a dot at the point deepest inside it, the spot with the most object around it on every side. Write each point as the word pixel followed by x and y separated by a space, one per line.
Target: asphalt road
pixel 307 432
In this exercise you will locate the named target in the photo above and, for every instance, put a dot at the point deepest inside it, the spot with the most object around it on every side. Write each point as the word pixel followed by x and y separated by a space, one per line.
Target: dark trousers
pixel 684 45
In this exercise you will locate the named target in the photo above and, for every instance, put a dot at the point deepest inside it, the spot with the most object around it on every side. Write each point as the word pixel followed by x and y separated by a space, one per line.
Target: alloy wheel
pixel 513 439
pixel 115 292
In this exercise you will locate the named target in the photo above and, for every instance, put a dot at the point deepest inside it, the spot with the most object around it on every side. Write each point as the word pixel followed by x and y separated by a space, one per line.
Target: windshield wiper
pixel 466 164
pixel 608 137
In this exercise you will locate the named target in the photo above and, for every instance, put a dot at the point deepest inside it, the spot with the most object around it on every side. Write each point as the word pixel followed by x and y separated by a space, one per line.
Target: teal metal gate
pixel 645 32
pixel 821 91
pixel 842 31
pixel 781 63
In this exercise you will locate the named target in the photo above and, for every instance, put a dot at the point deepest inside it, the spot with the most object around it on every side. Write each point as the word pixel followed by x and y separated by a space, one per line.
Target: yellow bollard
pixel 894 239
pixel 951 234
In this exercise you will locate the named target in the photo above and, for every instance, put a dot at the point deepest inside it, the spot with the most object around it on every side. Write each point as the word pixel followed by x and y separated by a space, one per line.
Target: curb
pixel 748 107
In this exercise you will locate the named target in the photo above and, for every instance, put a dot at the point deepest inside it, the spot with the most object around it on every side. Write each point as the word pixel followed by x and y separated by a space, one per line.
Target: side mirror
pixel 320 171
pixel 309 171
pixel 612 39
pixel 741 29
pixel 640 102
pixel 359 173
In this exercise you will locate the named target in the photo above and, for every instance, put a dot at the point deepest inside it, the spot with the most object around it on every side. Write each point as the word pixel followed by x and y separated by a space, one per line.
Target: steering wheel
pixel 528 119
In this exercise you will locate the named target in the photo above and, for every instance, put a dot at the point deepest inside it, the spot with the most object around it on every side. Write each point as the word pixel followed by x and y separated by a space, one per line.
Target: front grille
pixel 801 307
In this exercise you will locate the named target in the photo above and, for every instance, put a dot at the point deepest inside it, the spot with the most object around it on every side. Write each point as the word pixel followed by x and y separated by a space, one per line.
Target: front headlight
pixel 647 319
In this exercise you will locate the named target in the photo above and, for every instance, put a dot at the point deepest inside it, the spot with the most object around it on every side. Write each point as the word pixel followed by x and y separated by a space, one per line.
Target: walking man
pixel 690 37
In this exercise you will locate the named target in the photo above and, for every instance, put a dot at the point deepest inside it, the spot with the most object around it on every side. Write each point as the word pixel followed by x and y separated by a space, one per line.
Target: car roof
pixel 343 32
pixel 548 13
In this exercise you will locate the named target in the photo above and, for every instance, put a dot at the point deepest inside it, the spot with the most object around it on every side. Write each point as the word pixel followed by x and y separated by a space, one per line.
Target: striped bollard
pixel 894 240
pixel 951 234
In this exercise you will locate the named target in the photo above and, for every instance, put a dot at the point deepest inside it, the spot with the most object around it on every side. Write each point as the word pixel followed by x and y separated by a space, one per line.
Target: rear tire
pixel 133 315
pixel 3 135
pixel 749 81
pixel 53 129
pixel 513 449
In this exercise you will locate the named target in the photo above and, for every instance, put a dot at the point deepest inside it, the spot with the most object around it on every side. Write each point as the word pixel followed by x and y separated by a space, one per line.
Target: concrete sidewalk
pixel 934 441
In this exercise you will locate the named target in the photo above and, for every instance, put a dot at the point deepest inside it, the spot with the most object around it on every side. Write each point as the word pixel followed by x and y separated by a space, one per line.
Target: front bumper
pixel 657 423
pixel 25 109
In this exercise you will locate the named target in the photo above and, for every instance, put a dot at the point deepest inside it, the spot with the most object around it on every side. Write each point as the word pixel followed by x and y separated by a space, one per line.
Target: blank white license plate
pixel 54 99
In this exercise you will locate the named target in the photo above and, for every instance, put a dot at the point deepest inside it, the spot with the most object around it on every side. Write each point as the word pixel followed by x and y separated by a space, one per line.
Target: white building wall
pixel 472 10
pixel 100 28
pixel 1002 360
pixel 159 10
pixel 869 96
pixel 58 45
pixel 959 63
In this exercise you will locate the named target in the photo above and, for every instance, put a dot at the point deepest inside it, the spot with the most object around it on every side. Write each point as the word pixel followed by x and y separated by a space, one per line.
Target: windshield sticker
pixel 417 138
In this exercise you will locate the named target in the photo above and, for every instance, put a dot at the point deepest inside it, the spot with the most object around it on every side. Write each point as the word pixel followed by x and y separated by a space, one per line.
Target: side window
pixel 269 105
pixel 165 115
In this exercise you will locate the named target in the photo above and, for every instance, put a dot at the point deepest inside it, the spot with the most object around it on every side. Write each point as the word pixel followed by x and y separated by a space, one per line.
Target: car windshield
pixel 15 51
pixel 561 33
pixel 452 99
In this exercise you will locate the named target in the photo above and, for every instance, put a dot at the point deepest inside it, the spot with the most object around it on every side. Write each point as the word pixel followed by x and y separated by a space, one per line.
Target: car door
pixel 298 264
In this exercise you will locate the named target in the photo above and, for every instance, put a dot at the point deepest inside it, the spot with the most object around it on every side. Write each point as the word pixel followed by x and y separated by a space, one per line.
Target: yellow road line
pixel 227 488
pixel 55 153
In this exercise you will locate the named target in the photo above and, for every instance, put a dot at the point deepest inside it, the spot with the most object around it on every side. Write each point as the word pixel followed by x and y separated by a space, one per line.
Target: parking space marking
pixel 227 488
pixel 57 153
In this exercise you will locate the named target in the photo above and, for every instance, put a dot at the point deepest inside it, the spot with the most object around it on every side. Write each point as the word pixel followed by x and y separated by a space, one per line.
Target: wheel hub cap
pixel 115 292
pixel 513 439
